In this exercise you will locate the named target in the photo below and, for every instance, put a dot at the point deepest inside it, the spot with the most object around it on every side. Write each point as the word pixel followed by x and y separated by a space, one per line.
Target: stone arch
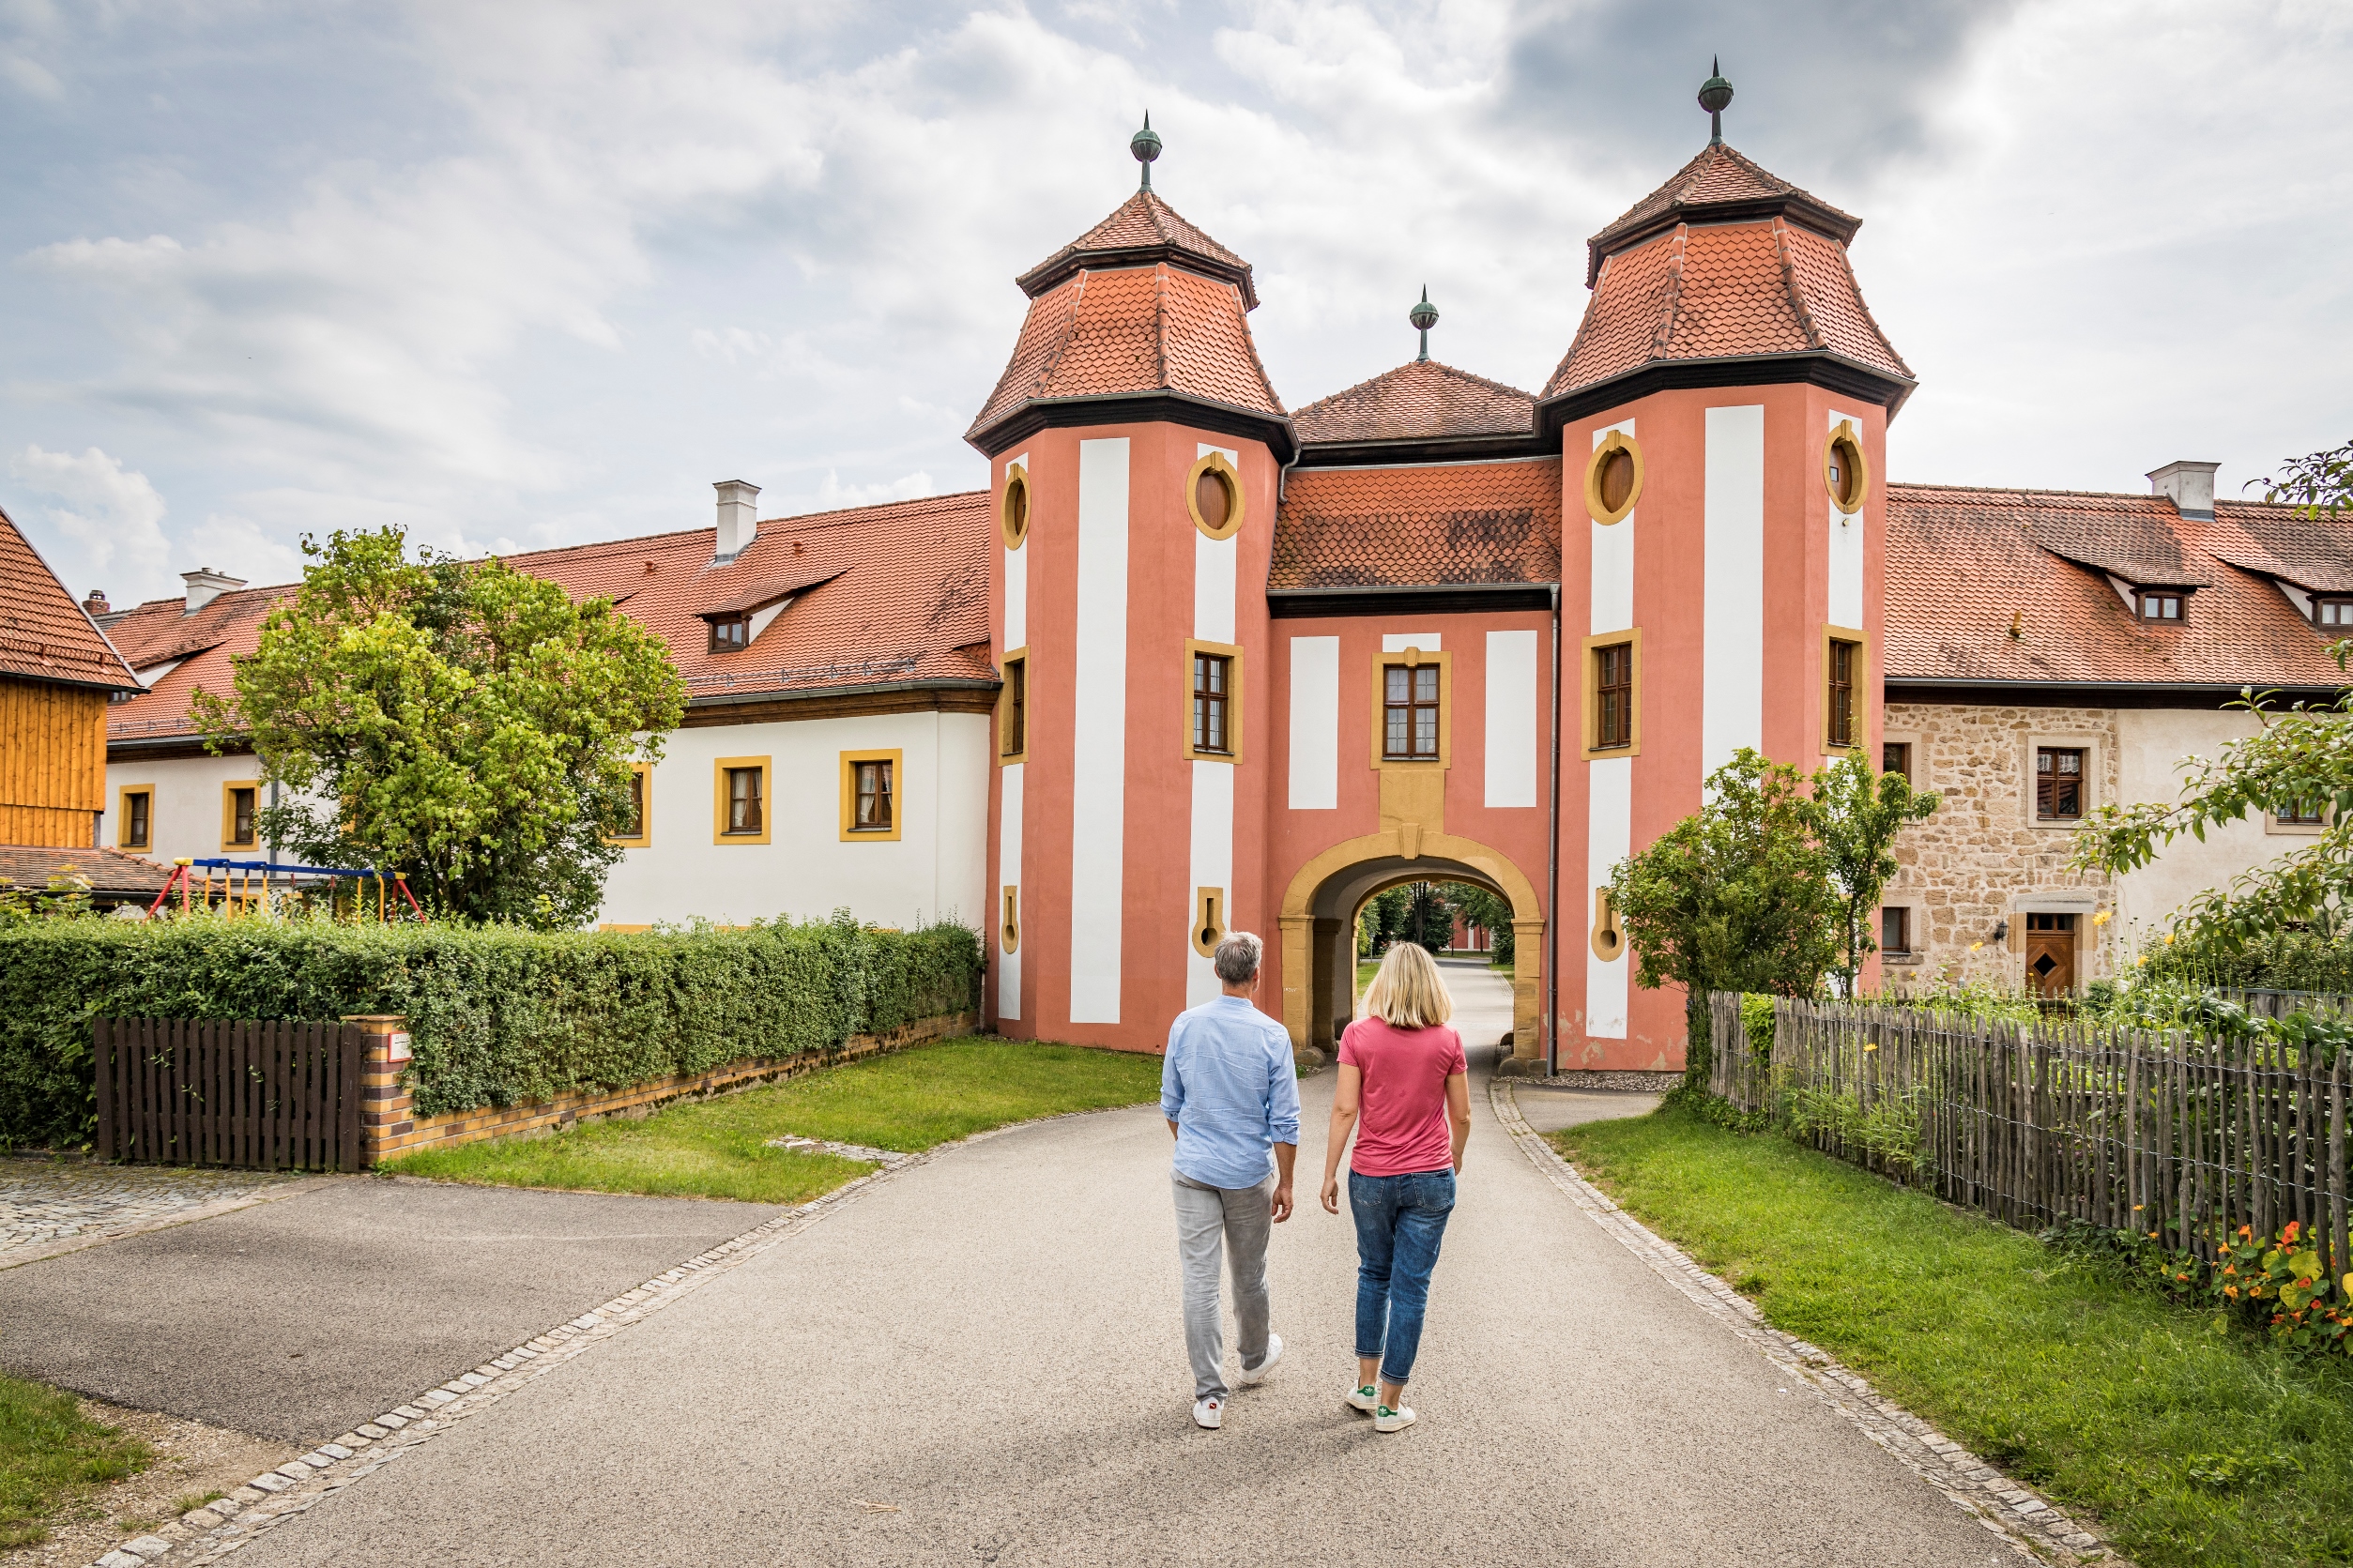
pixel 1317 920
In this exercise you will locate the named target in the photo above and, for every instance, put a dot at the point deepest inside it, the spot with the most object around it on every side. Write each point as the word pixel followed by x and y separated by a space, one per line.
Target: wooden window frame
pixel 1219 463
pixel 1911 744
pixel 1860 684
pixel 2296 827
pixel 1233 655
pixel 122 817
pixel 716 645
pixel 720 767
pixel 2082 791
pixel 1013 659
pixel 1612 441
pixel 2343 626
pixel 1632 638
pixel 848 773
pixel 2143 598
pixel 228 815
pixel 1412 658
pixel 643 837
pixel 1910 950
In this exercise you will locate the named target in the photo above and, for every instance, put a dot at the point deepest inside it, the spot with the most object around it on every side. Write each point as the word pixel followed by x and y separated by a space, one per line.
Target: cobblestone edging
pixel 212 1532
pixel 2032 1525
pixel 49 1206
pixel 1620 1079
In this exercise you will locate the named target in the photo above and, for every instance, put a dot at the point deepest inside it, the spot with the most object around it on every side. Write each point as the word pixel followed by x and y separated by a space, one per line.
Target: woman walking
pixel 1403 1070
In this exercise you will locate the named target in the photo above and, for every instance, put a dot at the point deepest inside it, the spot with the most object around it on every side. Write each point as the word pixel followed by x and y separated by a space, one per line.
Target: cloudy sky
pixel 515 275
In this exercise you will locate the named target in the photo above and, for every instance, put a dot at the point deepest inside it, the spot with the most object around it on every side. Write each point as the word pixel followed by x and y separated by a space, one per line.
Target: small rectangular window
pixel 743 800
pixel 1896 757
pixel 1839 728
pixel 1613 696
pixel 2059 784
pixel 2334 614
pixel 874 797
pixel 634 824
pixel 2302 814
pixel 1895 932
pixel 1013 733
pixel 135 827
pixel 730 633
pixel 1212 696
pixel 1409 713
pixel 242 834
pixel 2161 606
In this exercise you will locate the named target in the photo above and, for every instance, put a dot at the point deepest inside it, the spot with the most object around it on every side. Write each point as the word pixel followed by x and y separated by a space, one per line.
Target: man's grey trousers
pixel 1210 1221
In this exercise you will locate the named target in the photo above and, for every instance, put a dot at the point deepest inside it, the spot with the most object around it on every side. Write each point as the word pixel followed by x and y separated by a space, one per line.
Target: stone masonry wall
pixel 1981 858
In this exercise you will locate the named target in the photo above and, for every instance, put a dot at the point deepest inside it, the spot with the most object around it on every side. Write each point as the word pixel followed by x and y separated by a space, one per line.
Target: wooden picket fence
pixel 2163 1132
pixel 265 1096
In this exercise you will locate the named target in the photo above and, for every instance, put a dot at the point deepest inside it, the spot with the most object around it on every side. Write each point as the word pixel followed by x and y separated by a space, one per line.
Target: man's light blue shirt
pixel 1229 1084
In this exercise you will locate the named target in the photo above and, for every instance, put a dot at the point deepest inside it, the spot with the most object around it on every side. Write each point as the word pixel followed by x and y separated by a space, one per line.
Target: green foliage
pixel 66 897
pixel 1412 912
pixel 50 1453
pixel 1757 1022
pixel 1858 815
pixel 2273 961
pixel 2275 1286
pixel 463 723
pixel 1737 897
pixel 1979 999
pixel 1886 1136
pixel 1491 911
pixel 499 1013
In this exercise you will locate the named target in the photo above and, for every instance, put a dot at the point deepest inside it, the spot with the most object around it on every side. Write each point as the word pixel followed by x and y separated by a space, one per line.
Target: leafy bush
pixel 1756 1022
pixel 1887 1138
pixel 2276 1286
pixel 498 1014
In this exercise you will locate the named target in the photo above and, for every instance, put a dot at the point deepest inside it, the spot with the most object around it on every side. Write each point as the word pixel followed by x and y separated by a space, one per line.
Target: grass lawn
pixel 908 1102
pixel 50 1453
pixel 2189 1446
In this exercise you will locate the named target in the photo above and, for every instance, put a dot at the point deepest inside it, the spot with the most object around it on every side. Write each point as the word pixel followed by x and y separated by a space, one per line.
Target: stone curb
pixel 2030 1523
pixel 210 1533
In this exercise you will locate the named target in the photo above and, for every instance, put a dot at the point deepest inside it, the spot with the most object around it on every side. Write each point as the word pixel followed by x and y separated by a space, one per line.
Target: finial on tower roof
pixel 1713 94
pixel 1424 316
pixel 1145 145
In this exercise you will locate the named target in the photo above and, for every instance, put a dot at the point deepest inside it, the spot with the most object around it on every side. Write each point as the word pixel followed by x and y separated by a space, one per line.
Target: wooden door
pixel 2051 954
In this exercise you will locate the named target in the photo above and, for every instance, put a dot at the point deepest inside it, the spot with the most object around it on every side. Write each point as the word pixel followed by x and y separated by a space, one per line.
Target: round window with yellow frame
pixel 1614 478
pixel 1845 471
pixel 1013 509
pixel 1213 493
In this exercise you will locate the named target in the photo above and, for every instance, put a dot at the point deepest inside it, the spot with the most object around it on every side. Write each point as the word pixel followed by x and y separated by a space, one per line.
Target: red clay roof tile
pixel 1420 524
pixel 1718 178
pixel 1421 399
pixel 1142 230
pixel 107 871
pixel 44 633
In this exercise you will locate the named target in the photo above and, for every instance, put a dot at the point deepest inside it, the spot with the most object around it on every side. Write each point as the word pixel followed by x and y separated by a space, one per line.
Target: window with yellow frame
pixel 871 806
pixel 134 817
pixel 1413 709
pixel 637 826
pixel 1212 701
pixel 241 813
pixel 740 800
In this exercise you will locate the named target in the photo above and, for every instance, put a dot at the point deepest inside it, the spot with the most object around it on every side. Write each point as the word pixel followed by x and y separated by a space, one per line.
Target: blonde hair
pixel 1408 992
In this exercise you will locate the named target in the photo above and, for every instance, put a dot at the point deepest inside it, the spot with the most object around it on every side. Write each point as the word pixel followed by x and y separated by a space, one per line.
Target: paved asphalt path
pixel 302 1318
pixel 989 1343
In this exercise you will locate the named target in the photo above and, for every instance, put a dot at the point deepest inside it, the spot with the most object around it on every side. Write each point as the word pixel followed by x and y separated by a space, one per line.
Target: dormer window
pixel 2160 606
pixel 730 633
pixel 2334 614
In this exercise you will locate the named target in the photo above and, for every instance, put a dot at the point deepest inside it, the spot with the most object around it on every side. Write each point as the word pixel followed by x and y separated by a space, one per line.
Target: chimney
pixel 204 585
pixel 2189 485
pixel 96 604
pixel 737 522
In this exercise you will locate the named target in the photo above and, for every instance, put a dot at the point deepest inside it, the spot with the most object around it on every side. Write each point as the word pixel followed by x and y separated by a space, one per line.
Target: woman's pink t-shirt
pixel 1404 1103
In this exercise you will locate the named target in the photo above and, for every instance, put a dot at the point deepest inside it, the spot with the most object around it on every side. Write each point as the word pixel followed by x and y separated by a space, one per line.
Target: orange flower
pixel 2232 1292
pixel 2293 1227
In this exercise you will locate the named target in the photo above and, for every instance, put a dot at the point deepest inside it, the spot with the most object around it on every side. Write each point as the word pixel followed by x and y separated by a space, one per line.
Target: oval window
pixel 1617 479
pixel 1614 478
pixel 1213 499
pixel 1016 507
pixel 1844 472
pixel 1214 496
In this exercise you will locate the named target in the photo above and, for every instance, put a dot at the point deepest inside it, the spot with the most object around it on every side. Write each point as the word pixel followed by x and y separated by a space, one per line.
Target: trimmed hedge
pixel 498 1014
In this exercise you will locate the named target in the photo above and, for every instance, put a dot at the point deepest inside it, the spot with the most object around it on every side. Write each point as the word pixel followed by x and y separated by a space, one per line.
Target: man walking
pixel 1232 1097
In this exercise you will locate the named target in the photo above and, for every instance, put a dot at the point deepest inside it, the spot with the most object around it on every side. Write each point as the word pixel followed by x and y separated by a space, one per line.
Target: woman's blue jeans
pixel 1400 1222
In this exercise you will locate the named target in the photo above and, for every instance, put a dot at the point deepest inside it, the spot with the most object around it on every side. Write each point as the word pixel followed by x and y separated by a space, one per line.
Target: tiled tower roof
pixel 1418 400
pixel 1143 305
pixel 1728 261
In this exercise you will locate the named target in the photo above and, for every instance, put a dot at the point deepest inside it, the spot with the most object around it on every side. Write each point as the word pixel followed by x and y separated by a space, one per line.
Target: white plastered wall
pixel 186 815
pixel 2150 746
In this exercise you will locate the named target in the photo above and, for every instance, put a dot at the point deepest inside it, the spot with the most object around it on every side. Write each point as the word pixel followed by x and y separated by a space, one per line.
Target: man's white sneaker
pixel 1387 1419
pixel 1366 1399
pixel 1210 1413
pixel 1274 1354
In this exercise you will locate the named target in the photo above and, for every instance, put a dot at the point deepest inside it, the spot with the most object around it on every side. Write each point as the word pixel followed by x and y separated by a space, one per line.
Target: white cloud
pixel 105 525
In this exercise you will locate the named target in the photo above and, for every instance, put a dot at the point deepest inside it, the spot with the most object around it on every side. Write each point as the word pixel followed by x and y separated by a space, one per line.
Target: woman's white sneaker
pixel 1209 1412
pixel 1387 1419
pixel 1366 1399
pixel 1274 1354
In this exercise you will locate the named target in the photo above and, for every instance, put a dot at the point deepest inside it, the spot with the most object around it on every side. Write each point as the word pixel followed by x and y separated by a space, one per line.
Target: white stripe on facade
pixel 1614 559
pixel 1398 641
pixel 1315 724
pixel 1847 551
pixel 1099 748
pixel 1511 718
pixel 1610 788
pixel 1018 579
pixel 1213 866
pixel 1214 571
pixel 1732 678
pixel 1009 874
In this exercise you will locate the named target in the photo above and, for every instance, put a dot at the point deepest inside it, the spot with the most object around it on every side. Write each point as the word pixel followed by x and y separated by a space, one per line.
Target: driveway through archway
pixel 1318 939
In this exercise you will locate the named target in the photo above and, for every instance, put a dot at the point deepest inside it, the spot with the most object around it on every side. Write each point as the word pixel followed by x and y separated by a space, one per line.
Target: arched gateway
pixel 1319 920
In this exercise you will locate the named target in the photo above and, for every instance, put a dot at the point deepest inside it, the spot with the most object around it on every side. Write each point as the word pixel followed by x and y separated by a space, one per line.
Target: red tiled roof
pixel 1718 178
pixel 1135 330
pixel 107 871
pixel 44 633
pixel 1142 229
pixel 1420 524
pixel 1422 398
pixel 889 594
pixel 1960 562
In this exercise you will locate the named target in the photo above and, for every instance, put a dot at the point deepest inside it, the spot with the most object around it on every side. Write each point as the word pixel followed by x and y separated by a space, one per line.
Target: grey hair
pixel 1236 958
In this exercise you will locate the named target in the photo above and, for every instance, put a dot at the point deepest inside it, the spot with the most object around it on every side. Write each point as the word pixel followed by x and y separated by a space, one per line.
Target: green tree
pixel 2299 757
pixel 1429 918
pixel 460 722
pixel 1489 911
pixel 1858 815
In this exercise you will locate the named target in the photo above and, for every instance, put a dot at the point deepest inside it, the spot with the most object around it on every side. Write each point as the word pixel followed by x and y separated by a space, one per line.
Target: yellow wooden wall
pixel 53 762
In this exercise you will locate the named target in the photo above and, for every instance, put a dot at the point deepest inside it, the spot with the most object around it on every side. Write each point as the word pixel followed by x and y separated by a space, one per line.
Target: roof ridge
pixel 1669 318
pixel 1789 286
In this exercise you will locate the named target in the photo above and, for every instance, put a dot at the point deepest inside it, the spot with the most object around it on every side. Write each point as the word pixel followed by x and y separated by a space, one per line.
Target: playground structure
pixel 246 886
